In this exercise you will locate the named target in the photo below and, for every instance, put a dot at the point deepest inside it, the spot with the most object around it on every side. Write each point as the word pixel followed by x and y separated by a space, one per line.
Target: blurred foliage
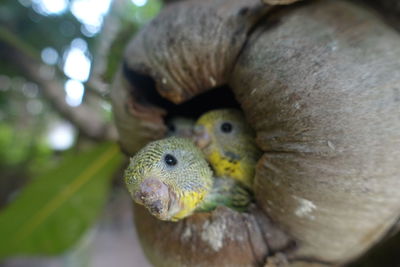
pixel 131 18
pixel 39 30
pixel 52 211
pixel 24 113
pixel 22 149
pixel 116 52
pixel 71 186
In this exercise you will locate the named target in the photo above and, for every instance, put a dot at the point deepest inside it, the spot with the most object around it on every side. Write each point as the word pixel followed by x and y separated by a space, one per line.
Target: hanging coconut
pixel 318 81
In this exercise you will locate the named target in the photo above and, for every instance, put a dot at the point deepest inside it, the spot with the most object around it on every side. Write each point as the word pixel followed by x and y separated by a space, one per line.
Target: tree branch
pixel 89 122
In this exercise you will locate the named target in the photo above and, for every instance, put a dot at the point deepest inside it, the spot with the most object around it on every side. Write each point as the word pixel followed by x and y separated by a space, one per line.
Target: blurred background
pixel 61 198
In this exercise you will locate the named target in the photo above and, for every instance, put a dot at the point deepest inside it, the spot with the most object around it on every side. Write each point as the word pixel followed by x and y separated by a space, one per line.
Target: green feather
pixel 226 192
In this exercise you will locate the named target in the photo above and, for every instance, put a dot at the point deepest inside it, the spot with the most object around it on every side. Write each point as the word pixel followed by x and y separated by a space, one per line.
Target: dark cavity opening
pixel 146 94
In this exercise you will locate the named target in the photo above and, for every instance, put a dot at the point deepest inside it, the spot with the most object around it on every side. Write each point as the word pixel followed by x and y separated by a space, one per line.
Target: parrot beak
pixel 155 196
pixel 201 137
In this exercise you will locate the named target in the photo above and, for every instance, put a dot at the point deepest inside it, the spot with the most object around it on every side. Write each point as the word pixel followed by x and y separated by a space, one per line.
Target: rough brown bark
pixel 389 9
pixel 324 100
pixel 185 51
pixel 318 81
pixel 279 2
pixel 221 238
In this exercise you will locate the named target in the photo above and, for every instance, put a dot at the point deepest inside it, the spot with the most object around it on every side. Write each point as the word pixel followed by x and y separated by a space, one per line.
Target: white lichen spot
pixel 305 208
pixel 276 182
pixel 333 45
pixel 212 81
pixel 331 146
pixel 187 233
pixel 164 81
pixel 213 234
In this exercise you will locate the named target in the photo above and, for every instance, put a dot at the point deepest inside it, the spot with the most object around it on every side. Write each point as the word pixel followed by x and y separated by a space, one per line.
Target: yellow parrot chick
pixel 170 177
pixel 228 143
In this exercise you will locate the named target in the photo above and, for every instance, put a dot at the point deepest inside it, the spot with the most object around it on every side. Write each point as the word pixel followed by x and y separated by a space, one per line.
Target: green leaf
pixel 52 212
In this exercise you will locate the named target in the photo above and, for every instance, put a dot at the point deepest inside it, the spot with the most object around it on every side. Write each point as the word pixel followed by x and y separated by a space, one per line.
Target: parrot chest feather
pixel 188 202
pixel 232 167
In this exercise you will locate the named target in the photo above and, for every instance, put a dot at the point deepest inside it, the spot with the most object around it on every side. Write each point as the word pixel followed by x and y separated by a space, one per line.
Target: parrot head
pixel 224 130
pixel 169 177
pixel 228 144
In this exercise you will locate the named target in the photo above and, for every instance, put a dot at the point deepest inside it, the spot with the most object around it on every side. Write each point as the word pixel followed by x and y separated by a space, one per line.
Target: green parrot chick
pixel 169 177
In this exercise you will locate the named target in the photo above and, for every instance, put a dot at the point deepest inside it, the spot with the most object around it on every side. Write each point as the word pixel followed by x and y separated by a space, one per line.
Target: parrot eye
pixel 170 160
pixel 226 127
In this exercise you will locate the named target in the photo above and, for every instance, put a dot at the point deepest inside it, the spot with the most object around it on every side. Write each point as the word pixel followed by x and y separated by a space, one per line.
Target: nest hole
pixel 252 235
pixel 145 93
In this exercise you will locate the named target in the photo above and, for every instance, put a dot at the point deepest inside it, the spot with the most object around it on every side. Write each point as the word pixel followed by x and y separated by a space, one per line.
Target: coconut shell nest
pixel 319 82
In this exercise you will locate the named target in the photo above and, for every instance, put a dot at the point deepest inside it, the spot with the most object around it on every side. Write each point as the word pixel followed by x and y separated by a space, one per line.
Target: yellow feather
pixel 237 170
pixel 231 154
pixel 190 201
